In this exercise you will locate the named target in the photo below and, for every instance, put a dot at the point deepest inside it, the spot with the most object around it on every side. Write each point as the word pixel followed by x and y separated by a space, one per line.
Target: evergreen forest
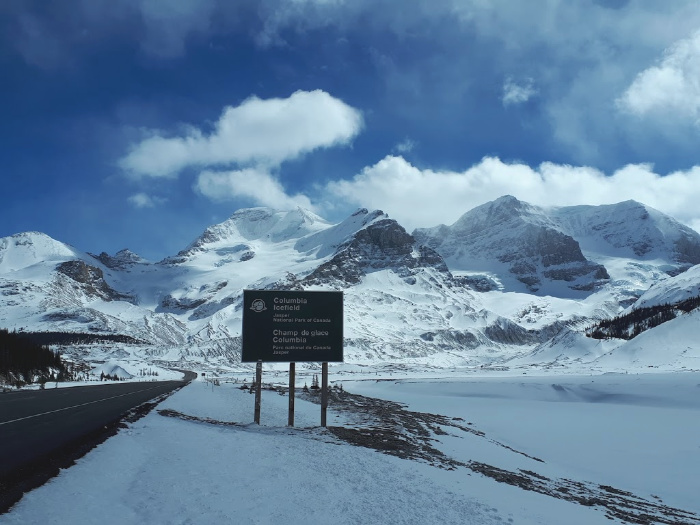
pixel 632 324
pixel 22 361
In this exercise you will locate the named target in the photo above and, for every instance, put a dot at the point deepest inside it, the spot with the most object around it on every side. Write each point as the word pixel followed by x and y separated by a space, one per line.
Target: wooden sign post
pixel 258 390
pixel 324 393
pixel 292 374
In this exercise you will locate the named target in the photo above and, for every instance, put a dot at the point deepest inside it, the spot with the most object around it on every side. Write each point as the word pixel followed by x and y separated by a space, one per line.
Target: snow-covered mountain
pixel 672 290
pixel 566 251
pixel 630 230
pixel 509 282
pixel 46 285
pixel 521 245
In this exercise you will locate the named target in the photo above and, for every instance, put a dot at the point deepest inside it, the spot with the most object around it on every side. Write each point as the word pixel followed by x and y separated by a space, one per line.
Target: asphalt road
pixel 34 424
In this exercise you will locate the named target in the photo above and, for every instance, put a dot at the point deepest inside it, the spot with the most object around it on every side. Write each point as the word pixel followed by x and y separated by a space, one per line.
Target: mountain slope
pixel 672 290
pixel 46 285
pixel 630 230
pixel 381 243
pixel 254 224
pixel 521 244
pixel 670 346
pixel 638 245
pixel 24 250
pixel 537 250
pixel 409 299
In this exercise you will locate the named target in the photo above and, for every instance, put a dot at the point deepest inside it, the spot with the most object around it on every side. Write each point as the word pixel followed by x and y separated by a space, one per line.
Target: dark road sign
pixel 292 326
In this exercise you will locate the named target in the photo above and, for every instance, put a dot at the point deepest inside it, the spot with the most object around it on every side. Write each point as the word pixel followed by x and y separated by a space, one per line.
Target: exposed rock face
pixel 507 332
pixel 383 244
pixel 547 253
pixel 122 260
pixel 519 236
pixel 171 303
pixel 450 338
pixel 91 280
pixel 478 283
pixel 206 293
pixel 630 229
pixel 688 248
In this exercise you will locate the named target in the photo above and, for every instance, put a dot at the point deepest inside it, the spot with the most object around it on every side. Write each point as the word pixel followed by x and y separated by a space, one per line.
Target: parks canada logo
pixel 258 305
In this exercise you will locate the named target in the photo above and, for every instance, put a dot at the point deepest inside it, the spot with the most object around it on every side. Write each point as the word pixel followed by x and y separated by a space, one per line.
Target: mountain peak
pixel 606 230
pixel 270 224
pixel 507 200
pixel 501 212
pixel 432 297
pixel 121 259
pixel 27 248
pixel 257 224
pixel 32 237
pixel 329 239
pixel 631 203
pixel 508 235
pixel 381 243
pixel 128 254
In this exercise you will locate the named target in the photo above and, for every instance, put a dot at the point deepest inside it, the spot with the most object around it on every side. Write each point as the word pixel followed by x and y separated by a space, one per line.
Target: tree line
pixel 108 377
pixel 23 361
pixel 76 338
pixel 632 324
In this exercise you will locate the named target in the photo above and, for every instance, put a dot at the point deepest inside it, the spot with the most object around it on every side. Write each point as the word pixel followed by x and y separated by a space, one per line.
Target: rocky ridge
pixel 519 238
pixel 436 295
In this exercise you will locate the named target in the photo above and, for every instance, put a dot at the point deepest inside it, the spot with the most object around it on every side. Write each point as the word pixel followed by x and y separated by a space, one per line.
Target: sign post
pixel 324 393
pixel 292 326
pixel 292 374
pixel 258 391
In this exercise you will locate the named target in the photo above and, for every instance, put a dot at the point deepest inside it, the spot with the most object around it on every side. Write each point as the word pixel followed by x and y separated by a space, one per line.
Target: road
pixel 36 424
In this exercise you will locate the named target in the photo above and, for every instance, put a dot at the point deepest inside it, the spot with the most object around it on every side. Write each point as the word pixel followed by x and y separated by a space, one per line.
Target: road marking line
pixel 76 406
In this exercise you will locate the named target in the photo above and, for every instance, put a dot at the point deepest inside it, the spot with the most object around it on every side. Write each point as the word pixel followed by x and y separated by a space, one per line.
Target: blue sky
pixel 138 123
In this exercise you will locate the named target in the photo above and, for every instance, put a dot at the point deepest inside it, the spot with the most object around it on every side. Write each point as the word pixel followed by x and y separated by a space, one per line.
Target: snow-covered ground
pixel 631 433
pixel 639 433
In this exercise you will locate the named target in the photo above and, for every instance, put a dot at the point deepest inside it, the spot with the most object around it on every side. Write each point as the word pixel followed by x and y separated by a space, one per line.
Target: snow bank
pixel 170 470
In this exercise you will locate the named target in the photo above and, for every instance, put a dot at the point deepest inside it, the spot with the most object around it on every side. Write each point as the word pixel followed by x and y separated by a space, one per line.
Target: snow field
pixel 166 470
pixel 637 433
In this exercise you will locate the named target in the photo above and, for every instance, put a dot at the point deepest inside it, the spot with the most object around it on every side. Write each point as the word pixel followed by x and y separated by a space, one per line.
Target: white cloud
pixel 673 86
pixel 143 200
pixel 423 197
pixel 252 184
pixel 257 132
pixel 405 146
pixel 514 93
